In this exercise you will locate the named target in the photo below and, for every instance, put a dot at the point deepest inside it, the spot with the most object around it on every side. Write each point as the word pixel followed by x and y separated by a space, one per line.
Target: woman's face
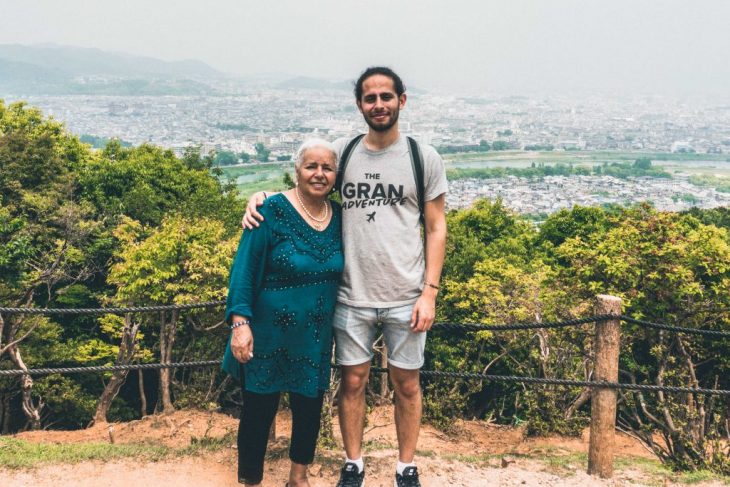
pixel 317 172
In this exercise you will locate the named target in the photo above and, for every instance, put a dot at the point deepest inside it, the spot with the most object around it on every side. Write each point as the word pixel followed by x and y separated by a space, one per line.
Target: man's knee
pixel 406 384
pixel 354 379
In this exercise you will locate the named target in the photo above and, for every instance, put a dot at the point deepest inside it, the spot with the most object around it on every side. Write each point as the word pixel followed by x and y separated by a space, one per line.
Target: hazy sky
pixel 517 46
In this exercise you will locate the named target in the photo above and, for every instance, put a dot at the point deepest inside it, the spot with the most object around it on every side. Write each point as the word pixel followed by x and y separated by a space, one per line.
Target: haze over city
pixel 521 47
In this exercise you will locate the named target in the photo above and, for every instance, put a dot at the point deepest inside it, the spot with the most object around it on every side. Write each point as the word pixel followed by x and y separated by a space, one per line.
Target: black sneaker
pixel 351 476
pixel 408 479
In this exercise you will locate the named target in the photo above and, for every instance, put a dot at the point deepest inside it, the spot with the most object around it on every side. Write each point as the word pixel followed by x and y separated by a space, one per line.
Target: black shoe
pixel 351 476
pixel 408 479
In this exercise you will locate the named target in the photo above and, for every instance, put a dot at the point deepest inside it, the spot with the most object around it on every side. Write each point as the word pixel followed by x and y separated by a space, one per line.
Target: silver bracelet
pixel 238 323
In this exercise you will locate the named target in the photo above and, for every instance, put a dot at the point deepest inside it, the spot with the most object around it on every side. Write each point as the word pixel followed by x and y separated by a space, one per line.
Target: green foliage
pixel 288 181
pixel 480 231
pixel 577 222
pixel 643 163
pixel 40 219
pixel 483 146
pixel 721 184
pixel 146 183
pixel 500 145
pixel 100 142
pixel 15 245
pixel 544 415
pixel 66 401
pixel 262 154
pixel 620 170
pixel 225 158
pixel 59 209
pixel 719 217
pixel 181 261
pixel 668 268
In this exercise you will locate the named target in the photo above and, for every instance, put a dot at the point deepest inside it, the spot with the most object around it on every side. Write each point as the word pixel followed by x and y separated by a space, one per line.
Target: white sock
pixel 360 464
pixel 402 466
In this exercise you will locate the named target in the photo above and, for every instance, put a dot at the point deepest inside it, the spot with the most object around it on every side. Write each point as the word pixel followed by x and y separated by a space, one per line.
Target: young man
pixel 390 276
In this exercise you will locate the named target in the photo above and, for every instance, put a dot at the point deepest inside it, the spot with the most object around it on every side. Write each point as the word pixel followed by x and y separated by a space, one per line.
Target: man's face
pixel 380 105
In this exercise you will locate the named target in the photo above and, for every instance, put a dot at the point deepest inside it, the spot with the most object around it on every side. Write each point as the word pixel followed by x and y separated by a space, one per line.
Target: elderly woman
pixel 280 304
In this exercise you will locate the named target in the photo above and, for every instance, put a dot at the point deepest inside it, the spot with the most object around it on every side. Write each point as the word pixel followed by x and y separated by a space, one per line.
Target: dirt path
pixel 212 472
pixel 481 455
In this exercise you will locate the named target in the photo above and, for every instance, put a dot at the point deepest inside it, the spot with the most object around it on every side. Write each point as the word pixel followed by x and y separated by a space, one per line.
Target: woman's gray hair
pixel 313 144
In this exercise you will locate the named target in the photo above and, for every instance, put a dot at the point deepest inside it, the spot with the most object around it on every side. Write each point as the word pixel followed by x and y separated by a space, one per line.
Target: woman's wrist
pixel 237 322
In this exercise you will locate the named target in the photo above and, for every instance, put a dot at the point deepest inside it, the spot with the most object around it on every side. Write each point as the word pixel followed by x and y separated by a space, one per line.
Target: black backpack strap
pixel 417 163
pixel 344 159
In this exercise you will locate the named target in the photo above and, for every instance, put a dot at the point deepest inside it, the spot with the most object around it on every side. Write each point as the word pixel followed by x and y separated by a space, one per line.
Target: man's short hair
pixel 400 88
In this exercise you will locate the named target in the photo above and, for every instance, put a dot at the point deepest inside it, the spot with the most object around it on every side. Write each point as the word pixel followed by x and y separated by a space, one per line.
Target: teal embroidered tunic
pixel 285 278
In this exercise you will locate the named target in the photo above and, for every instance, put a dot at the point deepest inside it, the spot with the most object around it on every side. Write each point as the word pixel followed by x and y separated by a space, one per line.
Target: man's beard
pixel 383 127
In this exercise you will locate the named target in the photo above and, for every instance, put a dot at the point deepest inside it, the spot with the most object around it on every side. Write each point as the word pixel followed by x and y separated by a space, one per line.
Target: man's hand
pixel 424 311
pixel 252 217
pixel 242 343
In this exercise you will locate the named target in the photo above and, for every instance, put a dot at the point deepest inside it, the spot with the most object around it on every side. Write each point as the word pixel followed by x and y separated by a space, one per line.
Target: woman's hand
pixel 252 217
pixel 242 343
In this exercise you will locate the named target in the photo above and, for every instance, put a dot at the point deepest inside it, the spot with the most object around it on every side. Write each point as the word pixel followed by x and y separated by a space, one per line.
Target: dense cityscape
pixel 539 198
pixel 280 119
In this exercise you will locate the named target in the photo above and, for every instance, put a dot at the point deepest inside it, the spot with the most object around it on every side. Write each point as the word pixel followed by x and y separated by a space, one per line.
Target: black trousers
pixel 257 414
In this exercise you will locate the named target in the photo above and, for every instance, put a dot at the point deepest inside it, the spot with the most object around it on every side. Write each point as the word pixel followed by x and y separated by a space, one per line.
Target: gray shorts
pixel 355 331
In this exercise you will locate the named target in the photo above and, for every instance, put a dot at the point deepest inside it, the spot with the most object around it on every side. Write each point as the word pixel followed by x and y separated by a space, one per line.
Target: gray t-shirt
pixel 381 231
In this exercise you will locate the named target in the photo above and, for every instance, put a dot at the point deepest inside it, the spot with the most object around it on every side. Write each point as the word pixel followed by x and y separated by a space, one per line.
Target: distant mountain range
pixel 63 70
pixel 67 70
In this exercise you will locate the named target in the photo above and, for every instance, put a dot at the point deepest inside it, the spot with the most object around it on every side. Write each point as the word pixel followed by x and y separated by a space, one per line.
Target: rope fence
pixel 377 370
pixel 467 327
pixel 114 311
pixel 436 326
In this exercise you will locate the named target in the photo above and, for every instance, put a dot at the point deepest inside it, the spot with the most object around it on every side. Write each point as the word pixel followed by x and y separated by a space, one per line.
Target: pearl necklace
pixel 318 221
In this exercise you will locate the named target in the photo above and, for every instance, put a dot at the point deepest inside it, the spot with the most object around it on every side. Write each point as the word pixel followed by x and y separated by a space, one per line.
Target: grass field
pixel 692 164
pixel 257 177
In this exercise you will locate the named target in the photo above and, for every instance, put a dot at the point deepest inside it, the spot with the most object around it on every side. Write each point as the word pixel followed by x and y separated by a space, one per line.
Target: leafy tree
pixel 500 145
pixel 667 268
pixel 225 158
pixel 146 183
pixel 481 231
pixel 46 228
pixel 182 261
pixel 579 221
pixel 288 180
pixel 262 154
pixel 719 217
pixel 59 204
pixel 643 163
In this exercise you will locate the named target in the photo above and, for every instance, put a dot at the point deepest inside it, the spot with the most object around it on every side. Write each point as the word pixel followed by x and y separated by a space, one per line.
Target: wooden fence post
pixel 603 401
